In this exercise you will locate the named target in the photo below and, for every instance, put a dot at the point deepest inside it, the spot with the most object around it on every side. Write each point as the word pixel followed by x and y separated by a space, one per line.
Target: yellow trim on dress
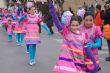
pixel 90 62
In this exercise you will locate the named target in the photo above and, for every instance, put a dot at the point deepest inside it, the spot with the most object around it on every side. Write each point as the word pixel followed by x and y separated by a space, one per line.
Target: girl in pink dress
pixel 19 28
pixel 94 33
pixel 10 30
pixel 71 58
pixel 1 15
pixel 10 25
pixel 32 37
pixel 4 19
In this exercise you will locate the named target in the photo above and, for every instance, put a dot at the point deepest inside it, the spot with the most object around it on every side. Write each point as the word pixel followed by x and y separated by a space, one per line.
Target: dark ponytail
pixel 88 13
pixel 76 18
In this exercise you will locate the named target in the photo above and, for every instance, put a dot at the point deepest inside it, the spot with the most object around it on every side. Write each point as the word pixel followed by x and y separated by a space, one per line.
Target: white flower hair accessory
pixel 29 4
pixel 66 17
pixel 81 12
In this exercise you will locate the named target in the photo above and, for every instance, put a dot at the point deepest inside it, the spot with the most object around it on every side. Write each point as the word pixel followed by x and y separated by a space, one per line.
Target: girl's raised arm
pixel 54 15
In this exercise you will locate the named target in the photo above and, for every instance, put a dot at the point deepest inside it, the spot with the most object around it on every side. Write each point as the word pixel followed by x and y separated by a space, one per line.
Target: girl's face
pixel 88 21
pixel 74 26
pixel 32 10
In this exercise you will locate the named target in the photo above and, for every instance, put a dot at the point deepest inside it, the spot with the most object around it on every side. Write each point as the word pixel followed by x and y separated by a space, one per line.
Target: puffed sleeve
pixel 98 32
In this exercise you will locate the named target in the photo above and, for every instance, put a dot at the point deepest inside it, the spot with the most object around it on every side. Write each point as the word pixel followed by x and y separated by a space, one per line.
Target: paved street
pixel 13 58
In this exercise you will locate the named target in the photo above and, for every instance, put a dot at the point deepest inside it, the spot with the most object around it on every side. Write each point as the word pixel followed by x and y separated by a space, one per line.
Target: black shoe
pixel 40 32
pixel 100 48
pixel 107 59
pixel 52 33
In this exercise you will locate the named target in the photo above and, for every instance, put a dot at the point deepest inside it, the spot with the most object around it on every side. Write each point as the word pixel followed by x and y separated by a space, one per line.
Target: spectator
pixel 106 16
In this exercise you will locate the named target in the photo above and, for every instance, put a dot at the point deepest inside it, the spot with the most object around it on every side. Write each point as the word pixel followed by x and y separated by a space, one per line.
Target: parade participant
pixel 94 34
pixel 19 28
pixel 10 30
pixel 4 19
pixel 71 58
pixel 32 38
pixel 10 25
pixel 1 15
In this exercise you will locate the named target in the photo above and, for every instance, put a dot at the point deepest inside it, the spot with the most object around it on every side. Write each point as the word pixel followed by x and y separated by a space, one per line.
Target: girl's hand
pixel 89 44
pixel 51 4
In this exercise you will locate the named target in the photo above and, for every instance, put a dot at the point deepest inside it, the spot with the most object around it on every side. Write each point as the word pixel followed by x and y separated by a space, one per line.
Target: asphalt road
pixel 13 58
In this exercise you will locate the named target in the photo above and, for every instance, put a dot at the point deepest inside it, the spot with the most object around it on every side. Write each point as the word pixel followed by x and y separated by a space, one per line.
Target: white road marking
pixel 58 40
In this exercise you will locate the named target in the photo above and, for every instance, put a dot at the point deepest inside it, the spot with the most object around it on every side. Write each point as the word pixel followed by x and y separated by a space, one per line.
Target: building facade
pixel 2 4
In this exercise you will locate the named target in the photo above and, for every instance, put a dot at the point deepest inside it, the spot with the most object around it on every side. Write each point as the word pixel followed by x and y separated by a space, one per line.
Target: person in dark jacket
pixel 91 9
pixel 50 23
pixel 106 16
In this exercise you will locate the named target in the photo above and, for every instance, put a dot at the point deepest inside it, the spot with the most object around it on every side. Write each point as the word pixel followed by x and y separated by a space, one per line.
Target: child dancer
pixel 19 28
pixel 71 58
pixel 10 24
pixel 94 34
pixel 1 15
pixel 32 38
pixel 10 30
pixel 4 19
